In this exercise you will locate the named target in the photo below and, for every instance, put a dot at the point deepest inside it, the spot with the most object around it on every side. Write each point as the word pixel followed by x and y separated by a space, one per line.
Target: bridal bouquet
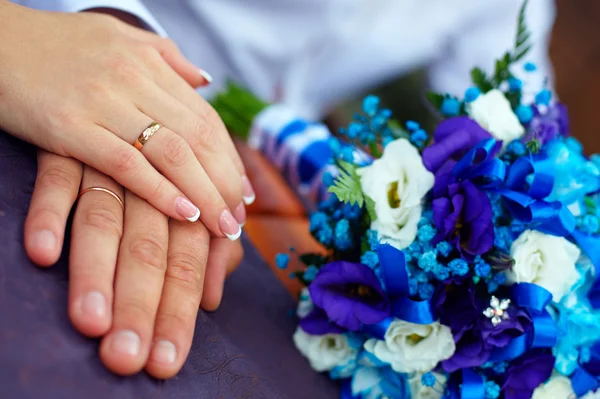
pixel 460 264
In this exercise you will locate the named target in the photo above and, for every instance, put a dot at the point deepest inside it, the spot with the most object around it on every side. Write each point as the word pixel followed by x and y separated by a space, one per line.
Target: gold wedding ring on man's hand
pixel 146 134
pixel 104 190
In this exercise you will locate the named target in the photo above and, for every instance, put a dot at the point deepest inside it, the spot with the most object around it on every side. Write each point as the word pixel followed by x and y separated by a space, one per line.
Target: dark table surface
pixel 244 350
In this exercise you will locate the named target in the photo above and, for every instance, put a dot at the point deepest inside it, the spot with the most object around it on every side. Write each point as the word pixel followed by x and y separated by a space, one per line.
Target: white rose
pixel 410 347
pixel 545 260
pixel 592 395
pixel 558 386
pixel 397 182
pixel 420 391
pixel 324 352
pixel 492 111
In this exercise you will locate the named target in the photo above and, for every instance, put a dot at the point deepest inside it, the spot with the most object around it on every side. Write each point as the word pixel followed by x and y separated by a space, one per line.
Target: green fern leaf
pixel 347 185
pixel 370 204
pixel 481 80
pixel 522 45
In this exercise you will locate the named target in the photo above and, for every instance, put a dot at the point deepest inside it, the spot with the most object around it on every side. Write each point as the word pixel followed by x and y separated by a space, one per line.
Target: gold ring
pixel 104 190
pixel 146 134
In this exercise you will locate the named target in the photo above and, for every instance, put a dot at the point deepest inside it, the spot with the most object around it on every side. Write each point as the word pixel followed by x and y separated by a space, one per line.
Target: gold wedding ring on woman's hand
pixel 146 134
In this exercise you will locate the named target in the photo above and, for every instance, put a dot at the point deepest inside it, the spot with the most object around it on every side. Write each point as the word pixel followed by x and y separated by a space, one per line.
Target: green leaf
pixel 481 80
pixel 370 205
pixel 436 99
pixel 347 185
pixel 522 45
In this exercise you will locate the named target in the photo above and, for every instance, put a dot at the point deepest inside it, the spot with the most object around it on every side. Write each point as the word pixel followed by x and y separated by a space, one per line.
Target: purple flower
pixel 452 139
pixel 350 294
pixel 317 323
pixel 550 125
pixel 463 216
pixel 474 335
pixel 526 374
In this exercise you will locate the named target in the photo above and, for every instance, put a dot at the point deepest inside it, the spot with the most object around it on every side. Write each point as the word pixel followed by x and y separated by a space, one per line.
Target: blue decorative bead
pixel 387 140
pixel 354 129
pixel 426 233
pixel 325 235
pixel 328 179
pixel 335 145
pixel 524 113
pixel 590 224
pixel 444 248
pixel 282 260
pixel 543 97
pixel 450 107
pixel 530 67
pixel 418 136
pixel 573 144
pixel 426 291
pixel 370 259
pixel 492 390
pixel 310 273
pixel 500 278
pixel 318 220
pixel 515 84
pixel 412 125
pixel 458 267
pixel 371 105
pixel 517 148
pixel 351 211
pixel 428 261
pixel 343 238
pixel 471 94
pixel 428 379
pixel 347 154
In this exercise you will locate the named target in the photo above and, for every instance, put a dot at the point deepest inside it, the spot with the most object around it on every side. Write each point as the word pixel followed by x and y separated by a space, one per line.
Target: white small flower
pixel 410 347
pixel 493 113
pixel 558 386
pixel 420 391
pixel 545 260
pixel 324 352
pixel 397 182
pixel 305 304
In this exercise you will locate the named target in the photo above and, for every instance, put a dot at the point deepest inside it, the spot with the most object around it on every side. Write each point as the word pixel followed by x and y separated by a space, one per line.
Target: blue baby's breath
pixel 282 260
pixel 471 94
pixel 524 113
pixel 450 107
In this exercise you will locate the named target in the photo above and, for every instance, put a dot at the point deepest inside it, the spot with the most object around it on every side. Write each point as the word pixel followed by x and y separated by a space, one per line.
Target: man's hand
pixel 136 278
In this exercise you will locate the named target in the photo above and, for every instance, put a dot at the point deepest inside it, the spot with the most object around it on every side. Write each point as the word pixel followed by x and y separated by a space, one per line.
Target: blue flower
pixel 482 269
pixel 354 129
pixel 387 140
pixel 343 237
pixel 325 235
pixel 516 148
pixel 426 233
pixel 428 379
pixel 412 125
pixel 428 261
pixel 515 84
pixel 370 259
pixel 444 248
pixel 450 107
pixel 328 179
pixel 351 211
pixel 310 273
pixel 574 145
pixel 426 290
pixel 334 145
pixel 347 154
pixel 282 260
pixel 373 239
pixel 371 105
pixel 492 390
pixel 418 137
pixel 458 267
pixel 543 97
pixel 530 67
pixel 471 94
pixel 500 367
pixel 317 221
pixel 524 113
pixel 441 272
pixel 589 224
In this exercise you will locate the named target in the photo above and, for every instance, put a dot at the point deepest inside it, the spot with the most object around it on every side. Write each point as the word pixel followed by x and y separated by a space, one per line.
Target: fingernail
pixel 45 239
pixel 247 191
pixel 229 226
pixel 164 352
pixel 206 75
pixel 186 209
pixel 94 304
pixel 240 214
pixel 127 343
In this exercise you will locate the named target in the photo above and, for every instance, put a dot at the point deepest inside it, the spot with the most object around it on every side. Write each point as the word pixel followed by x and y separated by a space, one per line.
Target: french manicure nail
pixel 45 240
pixel 206 75
pixel 240 214
pixel 229 226
pixel 186 209
pixel 94 304
pixel 164 352
pixel 247 191
pixel 127 343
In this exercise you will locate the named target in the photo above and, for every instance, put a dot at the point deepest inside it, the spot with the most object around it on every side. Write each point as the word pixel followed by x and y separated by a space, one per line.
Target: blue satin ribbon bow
pixel 481 166
pixel 471 387
pixel 395 276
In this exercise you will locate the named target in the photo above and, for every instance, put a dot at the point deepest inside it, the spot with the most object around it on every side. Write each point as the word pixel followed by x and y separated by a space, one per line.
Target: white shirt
pixel 311 54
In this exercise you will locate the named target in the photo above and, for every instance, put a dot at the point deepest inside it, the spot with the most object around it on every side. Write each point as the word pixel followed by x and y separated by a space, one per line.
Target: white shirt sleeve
pixel 134 7
pixel 486 36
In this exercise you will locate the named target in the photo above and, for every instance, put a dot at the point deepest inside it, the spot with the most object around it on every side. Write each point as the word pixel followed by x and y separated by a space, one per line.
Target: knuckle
pixel 137 311
pixel 186 269
pixel 175 151
pixel 105 216
pixel 203 135
pixel 175 321
pixel 147 53
pixel 58 176
pixel 61 118
pixel 125 69
pixel 148 252
pixel 126 161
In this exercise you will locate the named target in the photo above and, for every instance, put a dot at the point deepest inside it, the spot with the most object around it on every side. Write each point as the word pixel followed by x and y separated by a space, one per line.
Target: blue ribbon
pixel 583 382
pixel 543 332
pixel 346 391
pixel 472 387
pixel 480 166
pixel 395 275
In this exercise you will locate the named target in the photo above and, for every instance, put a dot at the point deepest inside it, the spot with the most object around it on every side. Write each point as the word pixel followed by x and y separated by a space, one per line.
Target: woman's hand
pixel 86 85
pixel 136 278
